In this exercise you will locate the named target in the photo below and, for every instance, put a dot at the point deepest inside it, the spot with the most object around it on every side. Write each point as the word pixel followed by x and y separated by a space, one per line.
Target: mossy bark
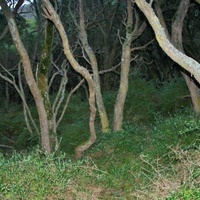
pixel 44 65
pixel 42 78
pixel 83 71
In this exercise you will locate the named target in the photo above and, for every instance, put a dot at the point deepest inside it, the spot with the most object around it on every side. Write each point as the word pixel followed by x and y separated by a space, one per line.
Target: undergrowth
pixel 155 156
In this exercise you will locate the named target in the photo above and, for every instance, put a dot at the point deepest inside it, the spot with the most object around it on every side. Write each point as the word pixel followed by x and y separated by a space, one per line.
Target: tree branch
pixel 183 60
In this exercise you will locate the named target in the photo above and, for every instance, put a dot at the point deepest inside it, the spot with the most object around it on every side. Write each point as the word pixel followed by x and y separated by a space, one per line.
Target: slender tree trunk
pixel 42 79
pixel 123 89
pixel 29 77
pixel 52 15
pixel 94 65
pixel 131 35
pixel 125 67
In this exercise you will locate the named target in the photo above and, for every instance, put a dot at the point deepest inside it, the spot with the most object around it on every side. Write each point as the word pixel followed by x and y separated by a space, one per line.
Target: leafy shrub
pixel 173 95
pixel 141 101
pixel 145 99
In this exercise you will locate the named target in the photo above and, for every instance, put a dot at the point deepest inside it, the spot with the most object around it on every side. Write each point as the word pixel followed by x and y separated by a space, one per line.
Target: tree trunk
pixel 52 15
pixel 131 35
pixel 123 89
pixel 42 79
pixel 183 60
pixel 44 128
pixel 94 65
pixel 177 40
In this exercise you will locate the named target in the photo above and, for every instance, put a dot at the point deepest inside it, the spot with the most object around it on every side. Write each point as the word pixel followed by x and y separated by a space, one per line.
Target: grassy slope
pixel 155 156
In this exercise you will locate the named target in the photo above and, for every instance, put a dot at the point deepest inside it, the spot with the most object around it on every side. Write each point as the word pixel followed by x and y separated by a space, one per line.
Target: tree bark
pixel 52 15
pixel 29 77
pixel 125 66
pixel 186 62
pixel 94 65
pixel 43 76
pixel 177 40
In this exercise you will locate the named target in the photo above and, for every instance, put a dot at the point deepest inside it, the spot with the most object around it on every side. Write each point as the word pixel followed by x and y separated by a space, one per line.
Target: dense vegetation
pixel 99 142
pixel 156 156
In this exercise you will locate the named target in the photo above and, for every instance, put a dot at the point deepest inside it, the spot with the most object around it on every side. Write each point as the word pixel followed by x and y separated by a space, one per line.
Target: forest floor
pixel 156 156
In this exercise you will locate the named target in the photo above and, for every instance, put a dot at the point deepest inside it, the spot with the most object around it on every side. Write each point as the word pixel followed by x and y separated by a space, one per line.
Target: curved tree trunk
pixel 94 65
pixel 186 62
pixel 44 127
pixel 52 15
pixel 176 38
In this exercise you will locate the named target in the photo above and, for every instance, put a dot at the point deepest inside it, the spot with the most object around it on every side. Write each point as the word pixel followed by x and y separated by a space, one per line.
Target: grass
pixel 156 156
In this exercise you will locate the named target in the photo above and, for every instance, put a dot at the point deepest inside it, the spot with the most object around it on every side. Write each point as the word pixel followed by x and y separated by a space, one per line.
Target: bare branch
pixel 6 146
pixel 110 70
pixel 24 107
pixel 142 47
pixel 6 29
pixel 68 100
pixel 20 92
pixel 183 60
pixel 61 93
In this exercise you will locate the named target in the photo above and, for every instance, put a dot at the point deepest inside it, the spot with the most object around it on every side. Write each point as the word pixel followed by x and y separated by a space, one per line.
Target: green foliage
pixel 74 128
pixel 141 99
pixel 119 164
pixel 186 194
pixel 173 96
pixel 145 100
pixel 35 176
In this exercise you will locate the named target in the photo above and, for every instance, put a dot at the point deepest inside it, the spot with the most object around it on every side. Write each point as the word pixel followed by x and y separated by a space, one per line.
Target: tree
pixel 110 24
pixel 94 65
pixel 49 117
pixel 52 15
pixel 186 62
pixel 177 28
pixel 43 80
pixel 176 39
pixel 132 33
pixel 45 140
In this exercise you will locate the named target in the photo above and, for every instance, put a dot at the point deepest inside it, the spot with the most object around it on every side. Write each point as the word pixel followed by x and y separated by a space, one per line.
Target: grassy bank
pixel 156 156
